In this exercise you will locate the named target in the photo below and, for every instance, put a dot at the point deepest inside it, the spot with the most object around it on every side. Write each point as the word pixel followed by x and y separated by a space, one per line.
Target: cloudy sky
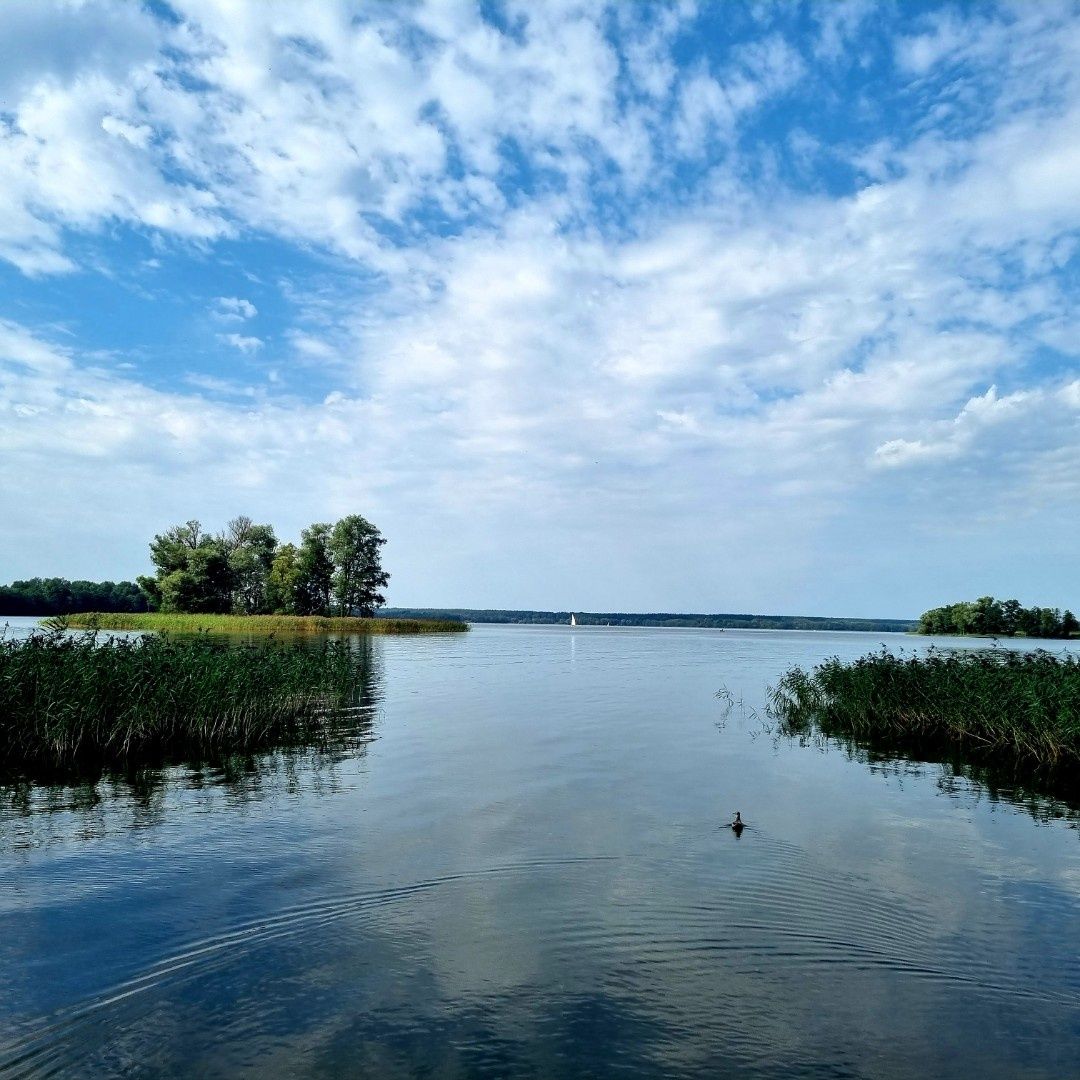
pixel 702 306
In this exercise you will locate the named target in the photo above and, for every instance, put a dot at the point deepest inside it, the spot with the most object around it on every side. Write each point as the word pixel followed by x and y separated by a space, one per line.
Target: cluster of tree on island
pixel 1004 618
pixel 244 570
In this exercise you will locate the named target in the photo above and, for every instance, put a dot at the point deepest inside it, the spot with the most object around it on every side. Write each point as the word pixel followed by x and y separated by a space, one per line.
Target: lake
pixel 521 868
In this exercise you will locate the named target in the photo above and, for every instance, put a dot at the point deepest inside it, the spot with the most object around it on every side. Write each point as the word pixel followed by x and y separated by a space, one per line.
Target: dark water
pixel 521 870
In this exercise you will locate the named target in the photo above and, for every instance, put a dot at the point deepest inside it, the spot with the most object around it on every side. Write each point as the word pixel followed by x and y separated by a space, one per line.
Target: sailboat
pixel 573 621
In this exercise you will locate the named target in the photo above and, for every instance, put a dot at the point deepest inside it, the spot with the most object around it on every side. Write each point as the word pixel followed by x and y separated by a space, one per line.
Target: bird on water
pixel 738 824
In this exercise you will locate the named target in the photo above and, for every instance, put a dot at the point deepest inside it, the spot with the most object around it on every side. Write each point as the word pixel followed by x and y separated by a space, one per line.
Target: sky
pixel 760 307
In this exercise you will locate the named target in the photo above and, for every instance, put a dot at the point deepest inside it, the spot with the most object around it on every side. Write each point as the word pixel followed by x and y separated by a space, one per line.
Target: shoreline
pixel 250 624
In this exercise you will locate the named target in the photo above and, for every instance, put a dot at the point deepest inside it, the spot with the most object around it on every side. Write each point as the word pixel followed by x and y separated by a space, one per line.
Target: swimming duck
pixel 738 824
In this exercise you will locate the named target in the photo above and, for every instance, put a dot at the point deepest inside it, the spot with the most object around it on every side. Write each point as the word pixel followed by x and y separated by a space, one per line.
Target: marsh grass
pixel 994 705
pixel 253 624
pixel 71 702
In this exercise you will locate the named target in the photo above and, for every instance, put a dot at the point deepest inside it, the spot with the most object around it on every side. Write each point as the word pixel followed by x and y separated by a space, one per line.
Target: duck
pixel 738 824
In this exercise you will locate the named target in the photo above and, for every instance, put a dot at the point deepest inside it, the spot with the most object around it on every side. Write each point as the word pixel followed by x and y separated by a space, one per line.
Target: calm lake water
pixel 521 870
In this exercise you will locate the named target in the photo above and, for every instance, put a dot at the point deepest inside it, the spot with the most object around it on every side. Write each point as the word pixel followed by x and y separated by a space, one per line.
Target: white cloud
pixel 839 23
pixel 245 343
pixel 325 124
pixel 233 309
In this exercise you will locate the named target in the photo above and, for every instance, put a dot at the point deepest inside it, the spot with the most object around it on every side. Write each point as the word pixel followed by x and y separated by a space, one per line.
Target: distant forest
pixel 621 618
pixel 1004 618
pixel 58 596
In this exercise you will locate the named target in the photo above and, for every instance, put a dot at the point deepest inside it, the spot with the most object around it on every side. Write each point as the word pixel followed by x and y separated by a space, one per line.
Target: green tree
pixel 251 549
pixel 315 567
pixel 987 617
pixel 171 549
pixel 1011 616
pixel 1049 622
pixel 150 587
pixel 193 572
pixel 358 574
pixel 58 596
pixel 204 585
pixel 282 581
pixel 244 570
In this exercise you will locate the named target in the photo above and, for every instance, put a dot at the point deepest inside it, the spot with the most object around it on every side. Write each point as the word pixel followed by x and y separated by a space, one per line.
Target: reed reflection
pixel 42 805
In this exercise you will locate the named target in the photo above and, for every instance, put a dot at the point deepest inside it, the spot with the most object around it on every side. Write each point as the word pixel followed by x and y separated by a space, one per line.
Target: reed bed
pixel 69 701
pixel 989 705
pixel 254 624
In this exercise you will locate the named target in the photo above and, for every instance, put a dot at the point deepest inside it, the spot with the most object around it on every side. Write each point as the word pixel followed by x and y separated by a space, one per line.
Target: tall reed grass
pixel 996 704
pixel 254 624
pixel 69 701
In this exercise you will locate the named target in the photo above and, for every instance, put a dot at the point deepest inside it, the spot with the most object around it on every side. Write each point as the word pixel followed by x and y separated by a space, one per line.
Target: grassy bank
pixel 68 701
pixel 254 624
pixel 994 705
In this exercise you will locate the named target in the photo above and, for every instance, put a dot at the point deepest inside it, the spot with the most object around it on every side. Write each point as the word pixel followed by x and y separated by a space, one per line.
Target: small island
pixel 238 581
pixel 988 617
pixel 74 702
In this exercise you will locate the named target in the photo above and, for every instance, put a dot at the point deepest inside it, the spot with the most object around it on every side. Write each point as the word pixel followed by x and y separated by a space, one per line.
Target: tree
pixel 987 617
pixel 251 549
pixel 1049 622
pixel 358 574
pixel 204 585
pixel 1011 616
pixel 315 571
pixel 244 570
pixel 58 596
pixel 150 587
pixel 171 549
pixel 282 580
pixel 193 572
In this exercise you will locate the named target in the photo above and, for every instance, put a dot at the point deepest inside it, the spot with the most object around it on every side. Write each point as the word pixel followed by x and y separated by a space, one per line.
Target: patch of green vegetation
pixel 75 701
pixel 56 596
pixel 991 705
pixel 252 624
pixel 993 618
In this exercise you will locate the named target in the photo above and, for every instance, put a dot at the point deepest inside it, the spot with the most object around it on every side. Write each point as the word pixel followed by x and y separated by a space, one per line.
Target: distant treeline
pixel 58 596
pixel 622 618
pixel 1004 618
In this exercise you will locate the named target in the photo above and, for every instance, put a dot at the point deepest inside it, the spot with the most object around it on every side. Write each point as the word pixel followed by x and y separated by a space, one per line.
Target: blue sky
pixel 687 306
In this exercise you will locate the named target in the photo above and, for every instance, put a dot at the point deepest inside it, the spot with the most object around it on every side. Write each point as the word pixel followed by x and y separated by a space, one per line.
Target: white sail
pixel 573 621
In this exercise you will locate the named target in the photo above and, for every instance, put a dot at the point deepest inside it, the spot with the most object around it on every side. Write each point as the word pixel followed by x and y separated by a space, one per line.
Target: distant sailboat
pixel 573 621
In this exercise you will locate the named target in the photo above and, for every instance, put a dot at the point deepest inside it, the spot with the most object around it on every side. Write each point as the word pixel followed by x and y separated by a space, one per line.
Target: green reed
pixel 1020 706
pixel 68 701
pixel 254 624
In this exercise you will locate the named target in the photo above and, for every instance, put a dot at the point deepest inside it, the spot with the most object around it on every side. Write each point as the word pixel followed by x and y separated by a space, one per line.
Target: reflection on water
pixel 526 872
pixel 32 813
pixel 1047 794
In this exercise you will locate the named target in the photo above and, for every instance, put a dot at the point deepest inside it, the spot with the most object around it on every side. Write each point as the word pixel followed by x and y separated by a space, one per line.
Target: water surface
pixel 521 869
